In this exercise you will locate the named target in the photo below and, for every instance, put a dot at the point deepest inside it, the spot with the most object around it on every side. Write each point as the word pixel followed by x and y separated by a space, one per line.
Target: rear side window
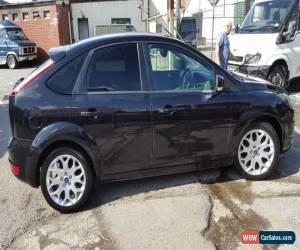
pixel 114 68
pixel 63 81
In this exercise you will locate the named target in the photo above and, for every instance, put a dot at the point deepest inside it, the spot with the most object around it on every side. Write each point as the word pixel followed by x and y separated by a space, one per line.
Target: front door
pixel 190 118
pixel 115 110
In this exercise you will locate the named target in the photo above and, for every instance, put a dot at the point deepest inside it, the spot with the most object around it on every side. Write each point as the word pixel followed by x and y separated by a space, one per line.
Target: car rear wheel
pixel 12 62
pixel 66 180
pixel 258 152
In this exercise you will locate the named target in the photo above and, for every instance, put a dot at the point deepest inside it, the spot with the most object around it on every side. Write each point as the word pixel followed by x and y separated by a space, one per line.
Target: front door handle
pixel 168 110
pixel 91 113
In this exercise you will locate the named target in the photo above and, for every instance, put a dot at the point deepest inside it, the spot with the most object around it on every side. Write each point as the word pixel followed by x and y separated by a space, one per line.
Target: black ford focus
pixel 135 105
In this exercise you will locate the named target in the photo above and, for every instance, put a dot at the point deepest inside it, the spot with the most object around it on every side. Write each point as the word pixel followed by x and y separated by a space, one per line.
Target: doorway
pixel 83 28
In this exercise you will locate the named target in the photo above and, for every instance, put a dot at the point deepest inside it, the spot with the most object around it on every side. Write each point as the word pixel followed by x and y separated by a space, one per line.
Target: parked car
pixel 15 46
pixel 268 41
pixel 134 105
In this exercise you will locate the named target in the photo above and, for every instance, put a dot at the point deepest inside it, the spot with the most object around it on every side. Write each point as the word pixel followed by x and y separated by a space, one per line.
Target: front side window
pixel 114 68
pixel 175 69
pixel 64 80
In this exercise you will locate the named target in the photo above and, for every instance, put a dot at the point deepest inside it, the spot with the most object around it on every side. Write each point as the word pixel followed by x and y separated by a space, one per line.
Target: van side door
pixel 3 46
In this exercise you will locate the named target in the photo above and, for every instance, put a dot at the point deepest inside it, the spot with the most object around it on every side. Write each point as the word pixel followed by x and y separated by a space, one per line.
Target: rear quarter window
pixel 63 81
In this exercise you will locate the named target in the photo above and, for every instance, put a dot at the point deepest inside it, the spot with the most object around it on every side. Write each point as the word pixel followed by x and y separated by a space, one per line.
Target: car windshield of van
pixel 266 16
pixel 16 34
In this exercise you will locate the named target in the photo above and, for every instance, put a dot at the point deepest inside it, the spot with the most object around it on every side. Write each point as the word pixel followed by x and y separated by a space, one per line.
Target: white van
pixel 267 43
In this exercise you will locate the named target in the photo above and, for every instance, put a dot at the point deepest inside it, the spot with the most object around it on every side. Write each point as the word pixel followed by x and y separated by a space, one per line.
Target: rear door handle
pixel 168 110
pixel 91 113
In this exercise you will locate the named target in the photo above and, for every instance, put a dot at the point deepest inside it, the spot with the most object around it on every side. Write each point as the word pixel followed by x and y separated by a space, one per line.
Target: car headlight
pixel 288 101
pixel 251 59
pixel 20 50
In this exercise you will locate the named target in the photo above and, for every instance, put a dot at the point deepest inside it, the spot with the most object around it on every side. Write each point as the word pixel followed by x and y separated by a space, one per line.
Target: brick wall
pixel 46 32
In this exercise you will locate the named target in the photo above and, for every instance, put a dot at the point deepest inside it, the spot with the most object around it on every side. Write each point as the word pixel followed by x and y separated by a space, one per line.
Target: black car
pixel 134 105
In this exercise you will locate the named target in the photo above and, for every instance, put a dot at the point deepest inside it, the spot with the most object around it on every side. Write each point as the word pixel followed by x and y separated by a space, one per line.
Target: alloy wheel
pixel 256 152
pixel 65 180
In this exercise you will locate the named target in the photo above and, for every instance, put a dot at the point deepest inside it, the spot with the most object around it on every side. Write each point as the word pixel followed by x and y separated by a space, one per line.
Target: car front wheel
pixel 278 76
pixel 258 152
pixel 66 180
pixel 12 62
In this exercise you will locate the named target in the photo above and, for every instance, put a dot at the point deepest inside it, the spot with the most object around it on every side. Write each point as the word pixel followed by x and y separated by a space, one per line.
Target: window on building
pixel 15 16
pixel 35 14
pixel 5 17
pixel 120 21
pixel 114 68
pixel 25 16
pixel 47 14
pixel 239 10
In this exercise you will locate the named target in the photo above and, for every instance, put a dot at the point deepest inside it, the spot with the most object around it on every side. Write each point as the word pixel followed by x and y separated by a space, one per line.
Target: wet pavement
pixel 204 210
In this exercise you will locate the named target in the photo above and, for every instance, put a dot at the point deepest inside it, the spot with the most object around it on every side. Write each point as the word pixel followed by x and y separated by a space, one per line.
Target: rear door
pixel 190 118
pixel 115 109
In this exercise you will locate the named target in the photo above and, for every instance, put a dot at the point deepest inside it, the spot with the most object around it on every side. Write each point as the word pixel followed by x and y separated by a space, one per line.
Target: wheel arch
pixel 274 123
pixel 268 118
pixel 283 62
pixel 14 54
pixel 62 134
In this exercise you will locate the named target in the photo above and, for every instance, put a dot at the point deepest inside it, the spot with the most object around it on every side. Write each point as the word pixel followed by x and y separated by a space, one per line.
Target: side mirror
pixel 236 28
pixel 289 31
pixel 220 82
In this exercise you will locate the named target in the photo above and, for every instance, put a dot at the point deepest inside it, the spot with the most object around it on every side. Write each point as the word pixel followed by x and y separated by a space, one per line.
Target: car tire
pixel 12 62
pixel 66 179
pixel 257 152
pixel 278 76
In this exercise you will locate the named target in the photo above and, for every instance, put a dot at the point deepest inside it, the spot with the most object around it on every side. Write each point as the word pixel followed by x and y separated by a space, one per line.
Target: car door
pixel 3 46
pixel 190 119
pixel 115 109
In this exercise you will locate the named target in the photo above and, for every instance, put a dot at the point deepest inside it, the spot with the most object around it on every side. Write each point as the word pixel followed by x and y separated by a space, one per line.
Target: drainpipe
pixel 70 29
pixel 170 7
pixel 178 17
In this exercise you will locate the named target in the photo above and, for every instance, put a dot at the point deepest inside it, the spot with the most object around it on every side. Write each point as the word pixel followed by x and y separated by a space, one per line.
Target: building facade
pixel 46 22
pixel 209 18
pixel 87 15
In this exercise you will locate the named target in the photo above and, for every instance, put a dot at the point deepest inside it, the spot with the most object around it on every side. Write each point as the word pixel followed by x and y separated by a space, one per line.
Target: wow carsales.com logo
pixel 268 237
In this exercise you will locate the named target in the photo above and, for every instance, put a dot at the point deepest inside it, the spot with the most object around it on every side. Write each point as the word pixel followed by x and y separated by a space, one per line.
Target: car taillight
pixel 35 74
pixel 16 170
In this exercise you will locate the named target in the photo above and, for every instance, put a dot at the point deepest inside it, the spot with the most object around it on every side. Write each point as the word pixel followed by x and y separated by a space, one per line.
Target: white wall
pixel 221 13
pixel 100 13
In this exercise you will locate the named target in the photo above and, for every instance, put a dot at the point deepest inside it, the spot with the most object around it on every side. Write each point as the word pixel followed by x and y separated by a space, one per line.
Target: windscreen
pixel 16 34
pixel 266 16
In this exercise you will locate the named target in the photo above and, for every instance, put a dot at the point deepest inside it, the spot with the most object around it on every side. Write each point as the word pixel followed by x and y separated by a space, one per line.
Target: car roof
pixel 94 42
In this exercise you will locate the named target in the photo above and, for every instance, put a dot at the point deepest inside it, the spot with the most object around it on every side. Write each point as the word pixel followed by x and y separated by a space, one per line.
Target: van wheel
pixel 258 152
pixel 66 180
pixel 12 62
pixel 278 76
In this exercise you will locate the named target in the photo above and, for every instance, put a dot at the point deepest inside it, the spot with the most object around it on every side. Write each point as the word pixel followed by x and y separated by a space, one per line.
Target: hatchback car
pixel 134 105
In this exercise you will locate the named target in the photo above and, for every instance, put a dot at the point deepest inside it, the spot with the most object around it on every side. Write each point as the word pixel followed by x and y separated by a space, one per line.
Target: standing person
pixel 223 46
